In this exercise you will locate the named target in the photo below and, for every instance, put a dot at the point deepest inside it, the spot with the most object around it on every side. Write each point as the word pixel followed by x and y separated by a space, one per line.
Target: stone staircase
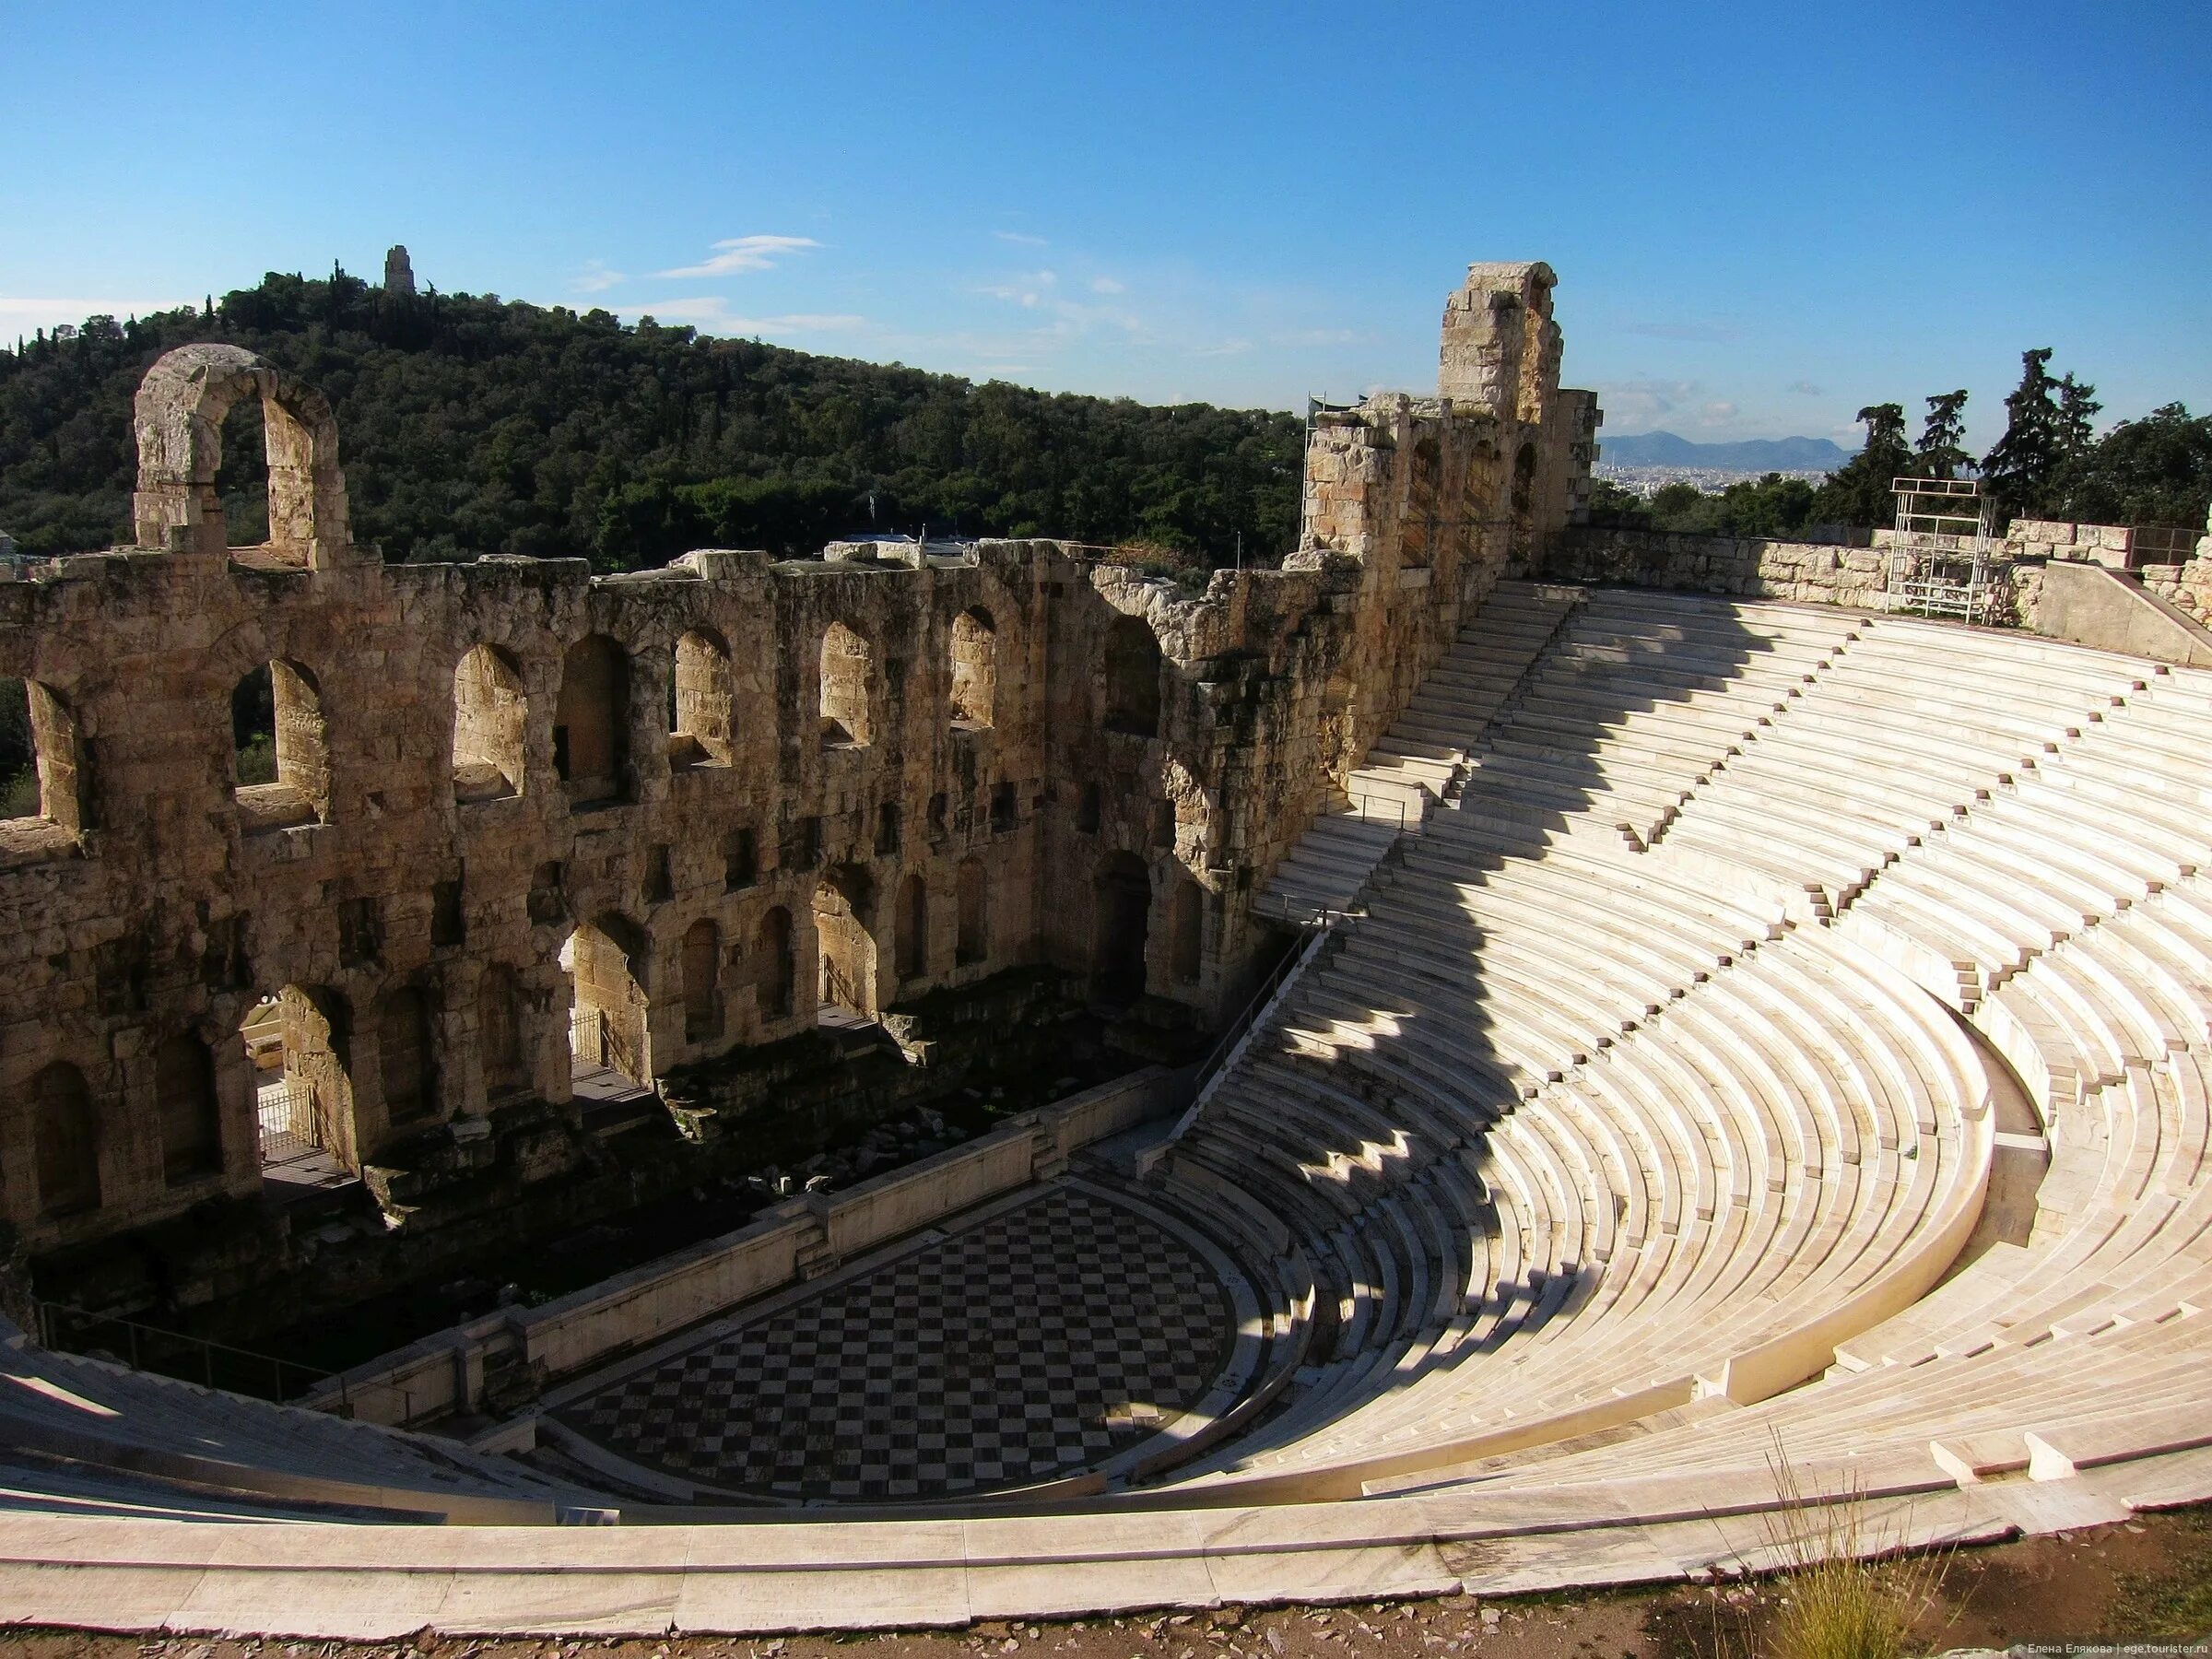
pixel 1423 756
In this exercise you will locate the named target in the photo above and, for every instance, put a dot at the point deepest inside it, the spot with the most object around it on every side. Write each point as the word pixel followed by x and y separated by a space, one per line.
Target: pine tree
pixel 2078 408
pixel 1859 492
pixel 2014 473
pixel 1939 454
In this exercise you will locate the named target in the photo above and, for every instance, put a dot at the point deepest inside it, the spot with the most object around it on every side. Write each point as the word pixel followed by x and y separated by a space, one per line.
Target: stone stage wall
pixel 664 816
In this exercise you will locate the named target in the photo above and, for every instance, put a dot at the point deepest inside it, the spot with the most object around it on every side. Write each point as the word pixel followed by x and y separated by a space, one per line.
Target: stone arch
pixel 913 927
pixel 1417 529
pixel 304 1035
pixel 1186 931
pixel 406 1056
pixel 65 1140
pixel 610 959
pixel 1131 665
pixel 974 941
pixel 502 1042
pixel 702 702
pixel 847 665
pixel 1524 498
pixel 775 967
pixel 188 1109
pixel 179 416
pixel 702 981
pixel 843 908
pixel 591 721
pixel 975 668
pixel 1121 917
pixel 491 723
pixel 280 747
pixel 44 762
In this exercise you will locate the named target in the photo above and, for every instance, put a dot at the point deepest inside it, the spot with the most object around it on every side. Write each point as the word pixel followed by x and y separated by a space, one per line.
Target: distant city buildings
pixel 1648 482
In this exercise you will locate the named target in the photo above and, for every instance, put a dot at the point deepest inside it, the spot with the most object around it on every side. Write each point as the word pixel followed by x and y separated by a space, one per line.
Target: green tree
pixel 2077 408
pixel 1859 492
pixel 1940 454
pixel 2016 471
pixel 2157 470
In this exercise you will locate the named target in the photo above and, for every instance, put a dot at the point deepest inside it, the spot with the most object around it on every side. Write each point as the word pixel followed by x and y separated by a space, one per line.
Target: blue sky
pixel 1762 217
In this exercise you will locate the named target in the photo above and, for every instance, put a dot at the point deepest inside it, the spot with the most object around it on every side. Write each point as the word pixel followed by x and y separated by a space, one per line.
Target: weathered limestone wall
pixel 1759 567
pixel 662 814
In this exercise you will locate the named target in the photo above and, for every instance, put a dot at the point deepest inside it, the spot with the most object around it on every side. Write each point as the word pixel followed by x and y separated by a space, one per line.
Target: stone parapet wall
pixel 1763 568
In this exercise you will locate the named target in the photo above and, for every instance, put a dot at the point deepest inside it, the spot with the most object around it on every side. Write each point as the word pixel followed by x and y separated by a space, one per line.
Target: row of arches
pixel 279 766
pixel 66 1130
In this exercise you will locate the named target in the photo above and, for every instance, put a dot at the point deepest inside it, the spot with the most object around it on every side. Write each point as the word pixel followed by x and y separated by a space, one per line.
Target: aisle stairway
pixel 1422 756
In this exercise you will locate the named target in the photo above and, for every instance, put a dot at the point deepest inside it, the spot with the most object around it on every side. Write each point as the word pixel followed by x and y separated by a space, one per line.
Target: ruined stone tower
pixel 399 273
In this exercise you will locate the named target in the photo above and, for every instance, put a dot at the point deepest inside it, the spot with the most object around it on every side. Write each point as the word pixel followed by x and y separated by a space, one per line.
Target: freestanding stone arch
pixel 179 420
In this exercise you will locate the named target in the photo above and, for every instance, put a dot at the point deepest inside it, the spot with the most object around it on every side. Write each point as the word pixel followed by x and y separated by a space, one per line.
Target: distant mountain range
pixel 1754 454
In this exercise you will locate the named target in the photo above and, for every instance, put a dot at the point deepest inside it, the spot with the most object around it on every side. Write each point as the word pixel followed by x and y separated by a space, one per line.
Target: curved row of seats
pixel 1718 1153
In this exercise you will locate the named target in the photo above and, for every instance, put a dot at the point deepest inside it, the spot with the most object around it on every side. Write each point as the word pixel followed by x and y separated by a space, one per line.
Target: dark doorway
pixel 1121 902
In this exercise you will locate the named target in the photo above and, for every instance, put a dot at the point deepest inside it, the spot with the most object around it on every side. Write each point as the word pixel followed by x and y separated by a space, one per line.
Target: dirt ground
pixel 2147 1583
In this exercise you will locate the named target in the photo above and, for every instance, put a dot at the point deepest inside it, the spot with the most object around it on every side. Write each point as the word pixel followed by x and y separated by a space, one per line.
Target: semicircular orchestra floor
pixel 1064 1330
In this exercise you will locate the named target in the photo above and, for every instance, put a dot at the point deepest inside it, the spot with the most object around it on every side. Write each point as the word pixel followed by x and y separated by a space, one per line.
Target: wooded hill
pixel 469 424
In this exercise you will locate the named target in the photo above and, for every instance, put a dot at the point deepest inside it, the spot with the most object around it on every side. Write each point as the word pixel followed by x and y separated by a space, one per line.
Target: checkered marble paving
pixel 1035 1343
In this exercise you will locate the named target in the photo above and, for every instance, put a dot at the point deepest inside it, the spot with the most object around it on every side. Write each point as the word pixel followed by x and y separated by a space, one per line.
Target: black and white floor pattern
pixel 1035 1343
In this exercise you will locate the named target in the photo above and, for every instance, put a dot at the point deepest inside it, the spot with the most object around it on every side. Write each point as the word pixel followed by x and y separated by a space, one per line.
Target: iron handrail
pixel 49 1316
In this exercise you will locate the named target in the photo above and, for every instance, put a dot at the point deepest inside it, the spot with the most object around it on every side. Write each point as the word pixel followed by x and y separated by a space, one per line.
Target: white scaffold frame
pixel 1939 556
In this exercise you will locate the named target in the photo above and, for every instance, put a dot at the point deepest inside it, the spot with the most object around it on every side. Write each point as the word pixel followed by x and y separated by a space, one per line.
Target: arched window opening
pixel 491 716
pixel 1417 529
pixel 843 908
pixel 913 927
pixel 974 940
pixel 1524 499
pixel 702 981
pixel 1187 926
pixel 1087 810
pixel 775 974
pixel 404 1057
pixel 975 668
pixel 41 764
pixel 591 721
pixel 702 715
pixel 67 1142
pixel 608 960
pixel 280 763
pixel 295 1044
pixel 1121 906
pixel 844 673
pixel 192 1126
pixel 241 476
pixel 1131 670
pixel 506 1057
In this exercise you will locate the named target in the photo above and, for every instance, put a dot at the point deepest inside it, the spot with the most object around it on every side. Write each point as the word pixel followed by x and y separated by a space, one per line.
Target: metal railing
pixel 180 1354
pixel 288 1108
pixel 1237 1028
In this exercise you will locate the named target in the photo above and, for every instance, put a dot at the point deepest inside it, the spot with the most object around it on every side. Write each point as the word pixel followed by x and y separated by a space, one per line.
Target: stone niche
pixel 427 833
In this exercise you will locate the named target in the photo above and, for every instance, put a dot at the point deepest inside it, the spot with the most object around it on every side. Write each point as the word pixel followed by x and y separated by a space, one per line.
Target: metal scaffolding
pixel 1939 558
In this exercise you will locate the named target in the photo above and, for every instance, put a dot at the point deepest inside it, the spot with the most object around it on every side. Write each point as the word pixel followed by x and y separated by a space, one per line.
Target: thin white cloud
pixel 1107 285
pixel 712 313
pixel 1021 239
pixel 736 254
pixel 1028 291
pixel 1804 388
pixel 23 315
pixel 596 277
pixel 1225 349
pixel 1631 404
pixel 1716 413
